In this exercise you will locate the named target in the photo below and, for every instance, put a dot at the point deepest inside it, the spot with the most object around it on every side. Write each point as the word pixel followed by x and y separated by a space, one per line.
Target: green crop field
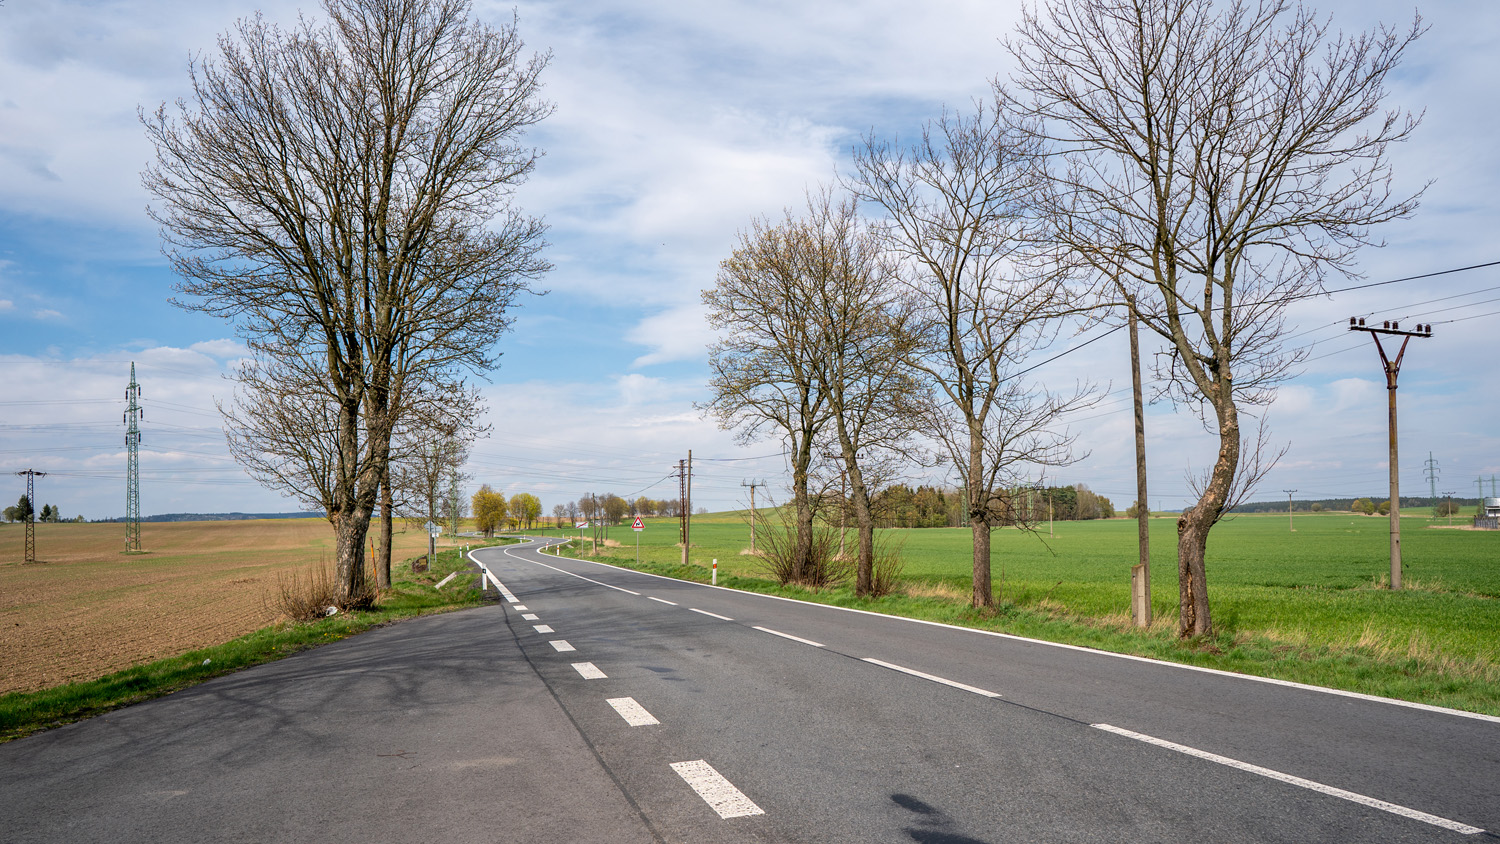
pixel 1305 605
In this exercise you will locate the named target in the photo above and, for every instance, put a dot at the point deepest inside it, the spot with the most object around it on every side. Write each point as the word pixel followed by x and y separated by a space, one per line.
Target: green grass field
pixel 1305 605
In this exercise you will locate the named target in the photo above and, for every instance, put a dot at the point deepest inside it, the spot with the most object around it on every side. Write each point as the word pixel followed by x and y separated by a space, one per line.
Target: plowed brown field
pixel 87 610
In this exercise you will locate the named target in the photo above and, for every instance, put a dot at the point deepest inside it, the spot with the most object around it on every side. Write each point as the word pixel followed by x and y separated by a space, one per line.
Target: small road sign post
pixel 432 534
pixel 638 527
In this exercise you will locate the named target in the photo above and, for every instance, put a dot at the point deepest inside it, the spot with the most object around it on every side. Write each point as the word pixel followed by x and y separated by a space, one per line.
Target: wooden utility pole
pixel 752 485
pixel 1392 368
pixel 1289 527
pixel 1140 574
pixel 687 504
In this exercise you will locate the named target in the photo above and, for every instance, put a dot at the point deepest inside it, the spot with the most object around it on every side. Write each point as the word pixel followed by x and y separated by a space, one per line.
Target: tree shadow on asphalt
pixel 935 824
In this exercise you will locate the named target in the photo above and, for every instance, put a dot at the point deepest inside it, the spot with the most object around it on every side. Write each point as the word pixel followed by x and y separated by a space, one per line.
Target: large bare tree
pixel 962 214
pixel 766 363
pixel 858 329
pixel 342 191
pixel 282 426
pixel 1223 157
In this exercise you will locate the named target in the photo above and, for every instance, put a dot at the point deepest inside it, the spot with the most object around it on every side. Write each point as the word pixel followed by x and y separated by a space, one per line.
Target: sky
pixel 676 124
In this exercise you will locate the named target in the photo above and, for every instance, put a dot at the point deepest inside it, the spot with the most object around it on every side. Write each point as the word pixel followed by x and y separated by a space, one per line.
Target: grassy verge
pixel 412 595
pixel 1370 665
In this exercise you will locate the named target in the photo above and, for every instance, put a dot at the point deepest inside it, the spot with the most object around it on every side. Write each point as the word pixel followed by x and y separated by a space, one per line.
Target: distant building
pixel 1489 517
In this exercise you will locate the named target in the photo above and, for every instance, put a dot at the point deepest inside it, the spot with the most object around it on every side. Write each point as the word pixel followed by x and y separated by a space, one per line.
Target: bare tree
pixel 765 365
pixel 1223 158
pixel 334 190
pixel 282 423
pixel 962 216
pixel 858 321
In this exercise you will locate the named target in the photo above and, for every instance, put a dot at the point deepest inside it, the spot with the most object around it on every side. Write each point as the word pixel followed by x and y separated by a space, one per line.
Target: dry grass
pixel 932 589
pixel 88 610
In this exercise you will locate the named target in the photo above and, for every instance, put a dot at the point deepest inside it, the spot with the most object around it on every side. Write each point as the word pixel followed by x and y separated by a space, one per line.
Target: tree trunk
pixel 383 562
pixel 864 577
pixel 979 520
pixel 802 502
pixel 350 529
pixel 1193 526
pixel 979 525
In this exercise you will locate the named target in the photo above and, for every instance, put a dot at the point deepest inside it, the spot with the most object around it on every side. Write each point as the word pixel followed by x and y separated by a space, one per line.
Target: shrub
pixel 777 547
pixel 308 597
pixel 887 566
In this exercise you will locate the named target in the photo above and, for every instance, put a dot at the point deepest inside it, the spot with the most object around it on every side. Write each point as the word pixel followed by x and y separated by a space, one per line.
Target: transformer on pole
pixel 1392 368
pixel 31 475
pixel 133 413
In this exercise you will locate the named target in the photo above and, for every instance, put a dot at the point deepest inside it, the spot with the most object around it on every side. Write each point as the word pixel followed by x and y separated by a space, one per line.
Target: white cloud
pixel 221 349
pixel 6 305
pixel 676 334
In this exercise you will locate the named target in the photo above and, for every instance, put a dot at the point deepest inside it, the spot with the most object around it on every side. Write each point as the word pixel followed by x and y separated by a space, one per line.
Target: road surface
pixel 598 704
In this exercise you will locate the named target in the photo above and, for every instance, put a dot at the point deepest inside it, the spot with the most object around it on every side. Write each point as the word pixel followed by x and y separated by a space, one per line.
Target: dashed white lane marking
pixel 562 646
pixel 634 714
pixel 543 628
pixel 719 793
pixel 519 608
pixel 789 636
pixel 1093 652
pixel 915 673
pixel 662 600
pixel 712 614
pixel 589 671
pixel 530 616
pixel 1298 781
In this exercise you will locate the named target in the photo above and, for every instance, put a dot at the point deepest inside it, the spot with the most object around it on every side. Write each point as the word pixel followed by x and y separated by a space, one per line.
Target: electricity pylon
pixel 133 414
pixel 31 475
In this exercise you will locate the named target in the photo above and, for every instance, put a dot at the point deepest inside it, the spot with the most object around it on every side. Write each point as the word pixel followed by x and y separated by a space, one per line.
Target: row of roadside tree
pixel 1191 167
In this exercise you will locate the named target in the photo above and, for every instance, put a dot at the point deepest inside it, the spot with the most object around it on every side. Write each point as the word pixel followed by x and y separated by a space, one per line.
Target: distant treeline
pixel 1347 504
pixel 216 517
pixel 928 506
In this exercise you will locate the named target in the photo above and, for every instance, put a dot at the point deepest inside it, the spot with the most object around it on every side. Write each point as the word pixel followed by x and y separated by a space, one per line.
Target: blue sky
pixel 676 123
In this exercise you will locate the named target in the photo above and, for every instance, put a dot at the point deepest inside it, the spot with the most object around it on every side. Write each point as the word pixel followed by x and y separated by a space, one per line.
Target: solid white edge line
pixel 789 636
pixel 634 714
pixel 713 614
pixel 915 673
pixel 718 792
pixel 562 646
pixel 589 671
pixel 662 600
pixel 1425 707
pixel 1331 791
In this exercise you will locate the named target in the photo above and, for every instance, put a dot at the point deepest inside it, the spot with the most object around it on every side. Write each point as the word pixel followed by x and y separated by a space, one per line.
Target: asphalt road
pixel 596 704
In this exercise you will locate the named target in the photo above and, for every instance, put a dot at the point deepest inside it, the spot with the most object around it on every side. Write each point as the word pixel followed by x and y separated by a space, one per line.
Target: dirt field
pixel 87 610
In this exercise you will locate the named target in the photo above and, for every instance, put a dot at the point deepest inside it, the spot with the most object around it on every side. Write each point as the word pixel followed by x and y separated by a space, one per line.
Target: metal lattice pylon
pixel 133 414
pixel 31 475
